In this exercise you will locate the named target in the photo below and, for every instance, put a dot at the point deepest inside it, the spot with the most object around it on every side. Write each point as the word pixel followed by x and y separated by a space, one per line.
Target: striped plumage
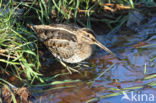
pixel 68 43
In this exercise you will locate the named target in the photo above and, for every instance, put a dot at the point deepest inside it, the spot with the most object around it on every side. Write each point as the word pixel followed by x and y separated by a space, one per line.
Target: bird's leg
pixel 69 68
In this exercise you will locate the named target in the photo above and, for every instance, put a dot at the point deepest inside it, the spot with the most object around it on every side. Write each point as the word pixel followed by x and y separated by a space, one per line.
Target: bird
pixel 68 43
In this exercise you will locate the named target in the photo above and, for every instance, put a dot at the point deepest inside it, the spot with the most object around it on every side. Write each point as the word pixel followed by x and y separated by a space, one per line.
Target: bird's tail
pixel 30 26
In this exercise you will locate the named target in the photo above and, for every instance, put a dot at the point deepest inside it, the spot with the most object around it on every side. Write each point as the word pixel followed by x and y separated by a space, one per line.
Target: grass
pixel 79 11
pixel 19 55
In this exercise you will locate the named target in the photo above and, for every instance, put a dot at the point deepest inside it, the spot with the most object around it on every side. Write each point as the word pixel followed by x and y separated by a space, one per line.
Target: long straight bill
pixel 105 48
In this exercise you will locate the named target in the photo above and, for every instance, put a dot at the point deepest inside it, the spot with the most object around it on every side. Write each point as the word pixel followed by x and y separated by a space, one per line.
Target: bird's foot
pixel 83 64
pixel 70 69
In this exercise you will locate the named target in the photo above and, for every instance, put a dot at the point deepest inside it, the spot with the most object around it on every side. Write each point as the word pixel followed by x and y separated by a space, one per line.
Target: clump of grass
pixel 76 11
pixel 18 55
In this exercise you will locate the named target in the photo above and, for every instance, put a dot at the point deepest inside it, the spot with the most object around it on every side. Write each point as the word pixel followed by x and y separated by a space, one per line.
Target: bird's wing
pixel 46 32
pixel 60 48
pixel 61 43
pixel 59 39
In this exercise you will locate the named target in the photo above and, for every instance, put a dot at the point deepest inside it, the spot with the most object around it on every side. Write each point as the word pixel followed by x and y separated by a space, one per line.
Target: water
pixel 128 77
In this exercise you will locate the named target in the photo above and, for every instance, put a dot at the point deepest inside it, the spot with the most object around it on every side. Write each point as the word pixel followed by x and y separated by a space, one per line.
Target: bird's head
pixel 88 36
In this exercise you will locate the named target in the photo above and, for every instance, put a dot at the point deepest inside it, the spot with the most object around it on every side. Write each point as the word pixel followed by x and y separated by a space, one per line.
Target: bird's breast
pixel 81 52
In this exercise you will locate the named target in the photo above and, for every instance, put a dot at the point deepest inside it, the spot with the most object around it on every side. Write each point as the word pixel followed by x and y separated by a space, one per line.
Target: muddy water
pixel 107 79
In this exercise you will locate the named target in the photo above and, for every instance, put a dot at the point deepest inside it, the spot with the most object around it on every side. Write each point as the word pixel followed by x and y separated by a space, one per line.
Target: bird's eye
pixel 88 36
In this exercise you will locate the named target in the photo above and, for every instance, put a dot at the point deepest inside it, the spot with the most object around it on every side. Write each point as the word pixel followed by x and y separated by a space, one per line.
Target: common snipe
pixel 68 43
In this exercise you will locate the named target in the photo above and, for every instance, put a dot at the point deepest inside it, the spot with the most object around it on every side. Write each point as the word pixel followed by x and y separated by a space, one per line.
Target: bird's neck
pixel 85 50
